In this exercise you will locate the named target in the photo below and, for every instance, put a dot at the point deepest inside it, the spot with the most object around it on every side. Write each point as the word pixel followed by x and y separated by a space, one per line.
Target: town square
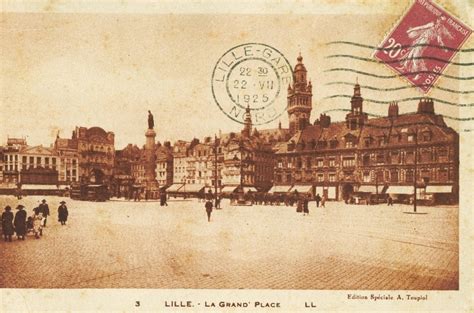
pixel 126 244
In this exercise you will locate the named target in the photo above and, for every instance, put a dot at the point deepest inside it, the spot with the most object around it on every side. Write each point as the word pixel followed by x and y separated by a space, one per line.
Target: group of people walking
pixel 21 224
pixel 302 203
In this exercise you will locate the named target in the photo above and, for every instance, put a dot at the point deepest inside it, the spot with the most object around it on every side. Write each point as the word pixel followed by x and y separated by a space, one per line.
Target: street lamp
pixel 415 173
pixel 215 172
pixel 415 170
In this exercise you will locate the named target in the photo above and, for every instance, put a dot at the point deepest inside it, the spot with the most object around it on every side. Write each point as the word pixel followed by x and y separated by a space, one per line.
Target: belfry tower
pixel 247 123
pixel 299 98
pixel 356 118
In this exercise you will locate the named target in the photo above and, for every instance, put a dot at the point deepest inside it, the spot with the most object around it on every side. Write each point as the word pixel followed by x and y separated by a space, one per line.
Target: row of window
pixel 30 160
pixel 393 176
pixel 331 177
pixel 393 157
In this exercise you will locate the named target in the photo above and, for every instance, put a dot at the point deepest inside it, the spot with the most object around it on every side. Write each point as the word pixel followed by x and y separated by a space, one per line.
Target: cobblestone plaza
pixel 120 244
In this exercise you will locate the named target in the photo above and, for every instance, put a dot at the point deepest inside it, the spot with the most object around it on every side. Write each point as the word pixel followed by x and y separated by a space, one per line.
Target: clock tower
pixel 299 99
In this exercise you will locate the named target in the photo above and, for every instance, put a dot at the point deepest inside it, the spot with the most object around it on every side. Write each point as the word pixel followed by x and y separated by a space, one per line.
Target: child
pixel 38 225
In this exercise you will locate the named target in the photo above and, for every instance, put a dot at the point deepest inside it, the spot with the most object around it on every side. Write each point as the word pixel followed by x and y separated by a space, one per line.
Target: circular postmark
pixel 252 75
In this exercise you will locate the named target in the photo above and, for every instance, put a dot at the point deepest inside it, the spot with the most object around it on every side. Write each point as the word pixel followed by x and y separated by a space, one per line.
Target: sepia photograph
pixel 219 155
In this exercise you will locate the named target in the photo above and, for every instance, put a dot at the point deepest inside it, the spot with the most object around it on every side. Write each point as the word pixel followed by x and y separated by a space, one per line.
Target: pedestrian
pixel 218 202
pixel 163 198
pixel 299 205
pixel 323 201
pixel 62 213
pixel 305 206
pixel 389 201
pixel 318 199
pixel 7 223
pixel 20 222
pixel 44 209
pixel 19 193
pixel 208 206
pixel 38 224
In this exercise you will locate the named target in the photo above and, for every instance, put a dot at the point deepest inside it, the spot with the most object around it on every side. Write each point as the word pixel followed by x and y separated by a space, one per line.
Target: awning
pixel 302 188
pixel 8 186
pixel 192 188
pixel 439 189
pixel 38 187
pixel 174 187
pixel 368 189
pixel 279 189
pixel 228 189
pixel 251 189
pixel 400 190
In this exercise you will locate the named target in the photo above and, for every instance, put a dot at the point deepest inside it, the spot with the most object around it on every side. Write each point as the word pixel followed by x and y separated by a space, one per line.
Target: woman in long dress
pixel 62 213
pixel 20 222
pixel 7 223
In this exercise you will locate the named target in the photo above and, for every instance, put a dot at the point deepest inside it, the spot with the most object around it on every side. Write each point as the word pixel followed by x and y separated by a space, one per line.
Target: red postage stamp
pixel 423 43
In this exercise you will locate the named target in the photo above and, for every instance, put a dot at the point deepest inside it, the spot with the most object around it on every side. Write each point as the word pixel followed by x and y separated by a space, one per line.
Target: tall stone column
pixel 150 165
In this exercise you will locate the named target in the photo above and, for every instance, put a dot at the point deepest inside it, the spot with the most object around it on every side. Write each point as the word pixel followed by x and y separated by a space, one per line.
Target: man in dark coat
pixel 44 208
pixel 163 196
pixel 208 206
pixel 389 201
pixel 62 213
pixel 20 222
pixel 305 206
pixel 7 223
pixel 318 199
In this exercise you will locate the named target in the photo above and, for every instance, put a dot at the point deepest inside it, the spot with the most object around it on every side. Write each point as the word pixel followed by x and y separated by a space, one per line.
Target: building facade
pixel 164 164
pixel 122 182
pixel 96 149
pixel 180 161
pixel 38 165
pixel 389 154
pixel 247 159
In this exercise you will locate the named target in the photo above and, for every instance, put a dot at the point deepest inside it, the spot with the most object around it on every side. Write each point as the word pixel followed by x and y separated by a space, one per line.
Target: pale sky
pixel 63 70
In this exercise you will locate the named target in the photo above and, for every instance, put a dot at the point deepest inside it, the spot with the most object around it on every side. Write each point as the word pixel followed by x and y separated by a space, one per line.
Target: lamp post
pixel 215 173
pixel 415 170
pixel 415 174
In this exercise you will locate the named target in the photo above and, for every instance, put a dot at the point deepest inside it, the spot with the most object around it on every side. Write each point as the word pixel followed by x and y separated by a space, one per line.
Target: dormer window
pixel 411 137
pixel 426 136
pixel 367 141
pixel 349 144
pixel 382 141
pixel 291 146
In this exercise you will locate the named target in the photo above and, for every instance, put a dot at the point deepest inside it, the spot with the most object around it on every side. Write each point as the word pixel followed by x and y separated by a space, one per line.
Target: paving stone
pixel 143 245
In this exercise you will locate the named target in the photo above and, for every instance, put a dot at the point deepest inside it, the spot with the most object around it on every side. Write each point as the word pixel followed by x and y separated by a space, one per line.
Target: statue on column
pixel 151 122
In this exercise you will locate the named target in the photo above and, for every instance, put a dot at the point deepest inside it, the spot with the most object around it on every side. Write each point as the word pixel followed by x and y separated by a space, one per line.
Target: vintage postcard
pixel 236 156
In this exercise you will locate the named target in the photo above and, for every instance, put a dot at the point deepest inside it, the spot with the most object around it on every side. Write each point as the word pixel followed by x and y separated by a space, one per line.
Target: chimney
pixel 393 110
pixel 426 105
pixel 324 120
